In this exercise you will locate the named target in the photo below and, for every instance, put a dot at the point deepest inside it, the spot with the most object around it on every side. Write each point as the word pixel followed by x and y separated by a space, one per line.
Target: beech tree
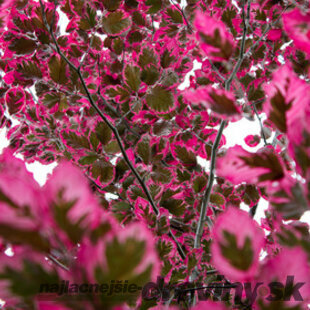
pixel 145 185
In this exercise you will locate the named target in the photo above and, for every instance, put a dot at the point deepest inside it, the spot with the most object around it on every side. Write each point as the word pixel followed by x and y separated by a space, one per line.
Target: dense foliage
pixel 98 87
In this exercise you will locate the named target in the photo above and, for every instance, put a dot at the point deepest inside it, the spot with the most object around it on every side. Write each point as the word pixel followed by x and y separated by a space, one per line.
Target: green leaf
pixel 199 183
pixel 118 46
pixel 217 199
pixel 138 18
pixel 227 17
pixel 90 19
pixel 255 93
pixel 88 159
pixel 174 206
pixel 51 99
pixel 103 133
pixel 121 206
pixel 63 104
pixel 29 70
pixel 111 5
pixel 115 23
pixel 96 42
pixel 74 230
pixel 103 170
pixel 94 140
pixel 123 258
pixel 187 157
pixel 162 128
pixel 118 91
pixel 57 69
pixel 15 100
pixel 132 77
pixel 112 147
pixel 122 210
pixel 147 57
pixel 251 194
pixel 178 274
pixel 22 236
pixel 259 53
pixel 150 75
pixel 155 6
pixel 166 59
pixel 183 175
pixel 26 280
pixel 160 99
pixel 75 140
pixel 22 46
pixel 241 258
pixel 164 248
pixel 144 149
pixel 224 49
pixel 175 15
pixel 135 37
pixel 131 3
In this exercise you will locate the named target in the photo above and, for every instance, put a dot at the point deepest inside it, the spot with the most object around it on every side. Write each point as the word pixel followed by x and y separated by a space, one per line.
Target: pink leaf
pixel 274 34
pixel 239 166
pixel 297 25
pixel 9 77
pixel 252 141
pixel 20 194
pixel 124 236
pixel 67 185
pixel 220 101
pixel 290 265
pixel 235 251
pixel 202 305
pixel 15 99
pixel 215 40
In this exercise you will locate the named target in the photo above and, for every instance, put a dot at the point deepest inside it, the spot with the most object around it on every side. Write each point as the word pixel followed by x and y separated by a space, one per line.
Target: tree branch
pixel 206 197
pixel 111 126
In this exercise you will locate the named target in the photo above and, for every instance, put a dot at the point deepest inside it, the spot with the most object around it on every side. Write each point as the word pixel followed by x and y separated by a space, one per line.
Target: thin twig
pixel 116 113
pixel 188 25
pixel 260 123
pixel 57 262
pixel 87 52
pixel 242 47
pixel 216 70
pixel 108 105
pixel 110 125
